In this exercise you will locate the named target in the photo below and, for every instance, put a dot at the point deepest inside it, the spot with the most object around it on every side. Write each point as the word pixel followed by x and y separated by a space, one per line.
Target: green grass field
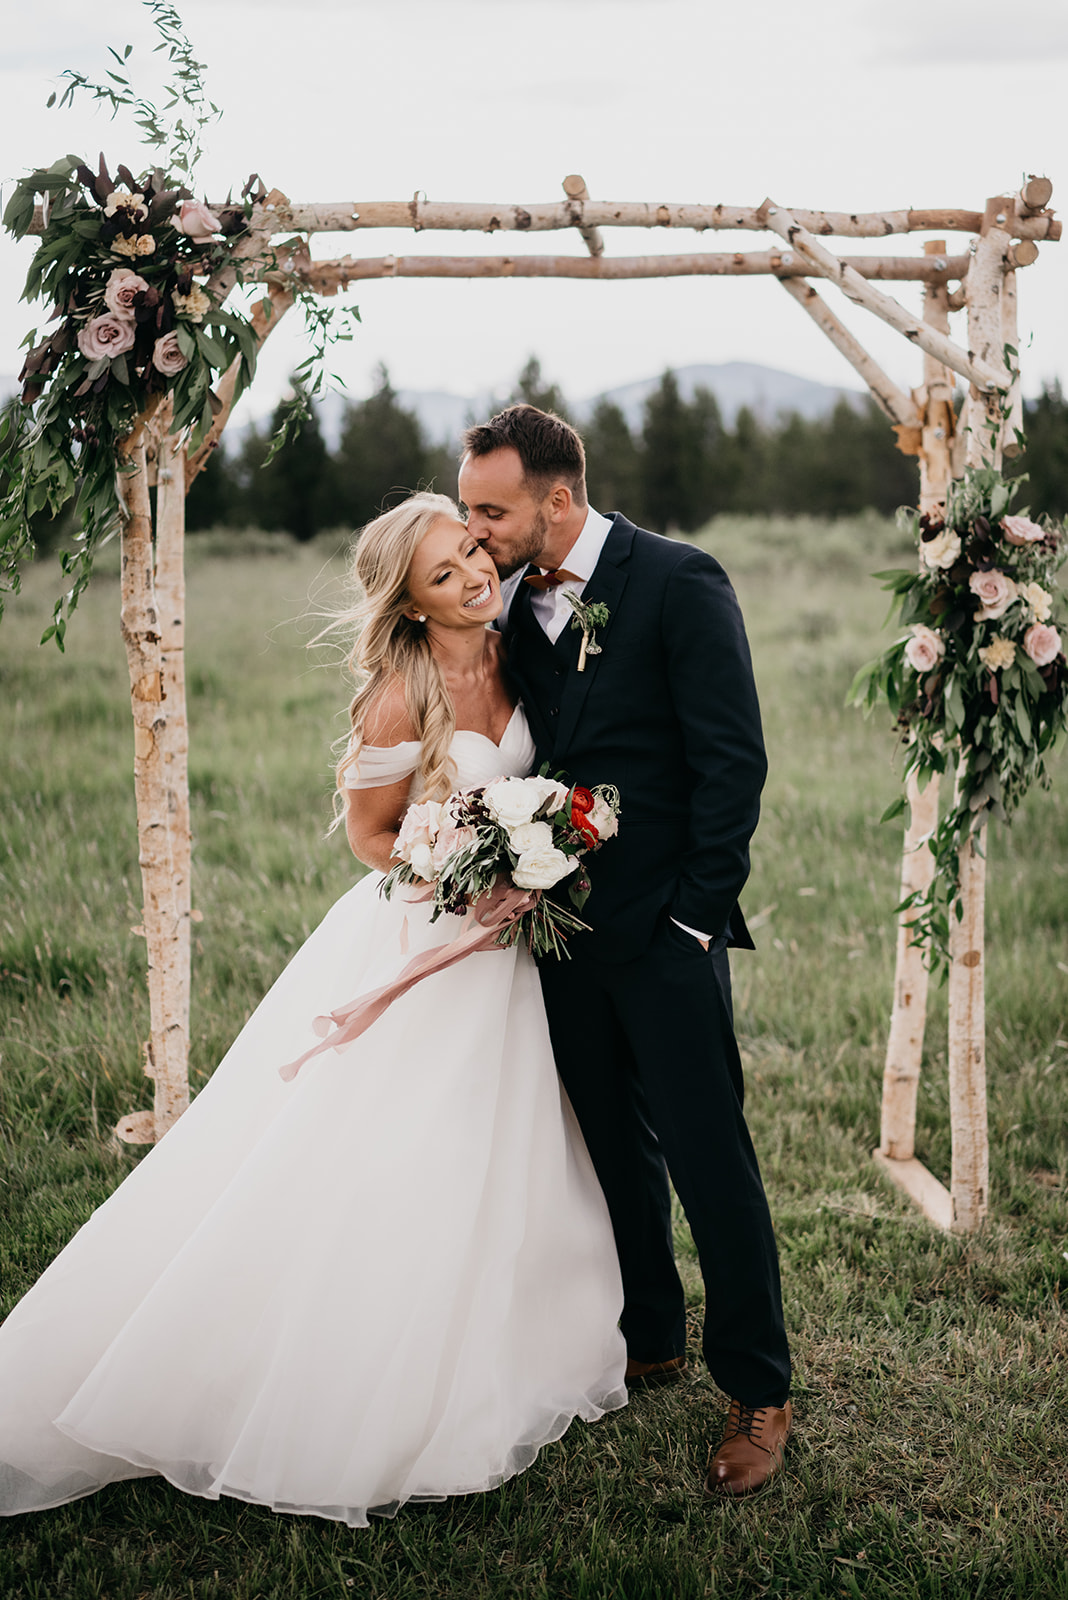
pixel 931 1372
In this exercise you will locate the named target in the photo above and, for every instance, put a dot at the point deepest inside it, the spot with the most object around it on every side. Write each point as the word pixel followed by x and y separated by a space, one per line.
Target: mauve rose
pixel 995 592
pixel 167 356
pixel 420 824
pixel 197 221
pixel 106 336
pixel 121 289
pixel 1021 530
pixel 1042 643
pixel 925 649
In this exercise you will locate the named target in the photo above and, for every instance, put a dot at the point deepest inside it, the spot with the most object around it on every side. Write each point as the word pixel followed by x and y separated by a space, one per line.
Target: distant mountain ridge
pixel 767 391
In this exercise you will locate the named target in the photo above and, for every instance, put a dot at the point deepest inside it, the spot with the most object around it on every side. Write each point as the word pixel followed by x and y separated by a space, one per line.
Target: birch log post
pixel 576 191
pixel 908 1017
pixel 162 925
pixel 983 421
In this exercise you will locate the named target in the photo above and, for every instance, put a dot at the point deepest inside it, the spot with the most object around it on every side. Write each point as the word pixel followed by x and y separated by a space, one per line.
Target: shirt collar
pixel 586 550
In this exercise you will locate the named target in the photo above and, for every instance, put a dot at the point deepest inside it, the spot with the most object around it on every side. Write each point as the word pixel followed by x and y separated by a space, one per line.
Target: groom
pixel 640 1016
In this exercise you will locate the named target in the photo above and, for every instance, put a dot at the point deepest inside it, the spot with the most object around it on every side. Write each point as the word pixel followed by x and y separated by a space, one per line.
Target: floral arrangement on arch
pixel 980 678
pixel 127 264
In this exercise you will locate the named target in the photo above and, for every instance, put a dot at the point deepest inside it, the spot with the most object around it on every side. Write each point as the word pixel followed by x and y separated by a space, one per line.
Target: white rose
pixel 530 836
pixel 942 550
pixel 553 794
pixel 421 861
pixel 542 867
pixel 604 818
pixel 511 801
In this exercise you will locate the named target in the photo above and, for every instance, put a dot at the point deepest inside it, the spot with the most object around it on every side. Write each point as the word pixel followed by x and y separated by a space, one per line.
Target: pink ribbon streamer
pixel 490 915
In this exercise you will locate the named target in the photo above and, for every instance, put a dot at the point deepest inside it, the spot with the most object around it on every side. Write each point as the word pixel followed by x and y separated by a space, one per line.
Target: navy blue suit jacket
pixel 668 713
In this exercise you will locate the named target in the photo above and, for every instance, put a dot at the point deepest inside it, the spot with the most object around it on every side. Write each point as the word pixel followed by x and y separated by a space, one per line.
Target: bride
pixel 392 1278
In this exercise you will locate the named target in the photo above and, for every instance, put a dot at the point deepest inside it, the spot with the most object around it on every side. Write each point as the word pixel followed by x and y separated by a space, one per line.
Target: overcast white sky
pixel 834 104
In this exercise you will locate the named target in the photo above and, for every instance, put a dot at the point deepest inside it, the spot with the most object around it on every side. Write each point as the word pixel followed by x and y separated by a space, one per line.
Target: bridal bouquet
pixel 492 852
pixel 499 847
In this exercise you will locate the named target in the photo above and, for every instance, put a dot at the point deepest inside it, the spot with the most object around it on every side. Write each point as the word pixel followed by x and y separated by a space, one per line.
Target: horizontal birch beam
pixel 346 216
pixel 884 306
pixel 894 402
pixel 329 276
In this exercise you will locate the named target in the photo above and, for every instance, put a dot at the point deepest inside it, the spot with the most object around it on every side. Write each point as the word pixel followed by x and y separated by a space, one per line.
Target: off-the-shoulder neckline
pixel 472 733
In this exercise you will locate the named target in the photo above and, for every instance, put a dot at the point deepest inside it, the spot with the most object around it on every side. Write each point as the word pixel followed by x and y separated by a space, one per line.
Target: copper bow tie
pixel 552 579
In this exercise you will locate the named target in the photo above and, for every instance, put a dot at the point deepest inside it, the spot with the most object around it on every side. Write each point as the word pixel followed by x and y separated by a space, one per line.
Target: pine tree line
pixel 682 466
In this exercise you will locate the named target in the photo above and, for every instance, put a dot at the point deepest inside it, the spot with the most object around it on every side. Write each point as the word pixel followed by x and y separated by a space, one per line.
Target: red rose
pixel 581 805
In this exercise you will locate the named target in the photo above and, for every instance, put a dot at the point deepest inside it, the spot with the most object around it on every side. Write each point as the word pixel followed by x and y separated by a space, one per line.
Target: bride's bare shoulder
pixel 387 721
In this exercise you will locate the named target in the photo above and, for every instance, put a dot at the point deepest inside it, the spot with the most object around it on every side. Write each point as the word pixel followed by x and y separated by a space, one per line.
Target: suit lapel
pixel 606 585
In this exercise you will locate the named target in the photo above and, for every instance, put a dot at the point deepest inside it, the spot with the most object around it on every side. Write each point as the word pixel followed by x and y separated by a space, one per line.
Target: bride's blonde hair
pixel 389 646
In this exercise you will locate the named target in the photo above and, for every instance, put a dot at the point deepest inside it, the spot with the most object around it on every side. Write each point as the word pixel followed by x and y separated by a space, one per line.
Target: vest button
pixel 554 711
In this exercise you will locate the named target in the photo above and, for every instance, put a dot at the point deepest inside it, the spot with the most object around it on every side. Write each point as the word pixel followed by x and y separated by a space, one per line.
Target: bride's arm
pixel 372 821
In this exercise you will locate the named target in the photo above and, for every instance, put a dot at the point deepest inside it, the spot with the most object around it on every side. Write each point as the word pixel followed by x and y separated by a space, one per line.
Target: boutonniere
pixel 589 615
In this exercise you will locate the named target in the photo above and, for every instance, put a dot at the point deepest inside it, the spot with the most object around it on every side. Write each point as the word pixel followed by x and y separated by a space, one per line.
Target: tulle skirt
pixel 390 1279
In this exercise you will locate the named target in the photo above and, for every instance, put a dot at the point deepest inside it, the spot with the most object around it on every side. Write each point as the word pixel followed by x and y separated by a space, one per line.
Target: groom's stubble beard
pixel 526 550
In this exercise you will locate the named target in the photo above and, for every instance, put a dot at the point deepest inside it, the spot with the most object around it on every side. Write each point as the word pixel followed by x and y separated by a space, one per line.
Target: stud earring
pixel 421 617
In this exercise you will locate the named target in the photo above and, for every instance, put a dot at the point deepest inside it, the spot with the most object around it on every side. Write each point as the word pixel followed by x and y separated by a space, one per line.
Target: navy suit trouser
pixel 647 1054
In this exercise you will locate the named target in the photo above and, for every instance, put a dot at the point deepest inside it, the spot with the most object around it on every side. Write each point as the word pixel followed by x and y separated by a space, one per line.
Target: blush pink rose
pixel 1021 530
pixel 419 828
pixel 925 649
pixel 121 290
pixel 995 592
pixel 1042 643
pixel 197 221
pixel 448 841
pixel 106 336
pixel 167 356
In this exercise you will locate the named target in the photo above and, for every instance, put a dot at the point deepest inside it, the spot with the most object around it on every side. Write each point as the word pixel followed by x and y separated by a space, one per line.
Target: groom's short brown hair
pixel 548 447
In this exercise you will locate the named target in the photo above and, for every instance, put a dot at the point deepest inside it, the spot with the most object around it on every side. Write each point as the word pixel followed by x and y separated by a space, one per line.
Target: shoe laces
pixel 748 1422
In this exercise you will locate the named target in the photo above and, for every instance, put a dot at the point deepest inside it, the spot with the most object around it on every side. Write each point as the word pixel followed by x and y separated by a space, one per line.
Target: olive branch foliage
pixel 62 442
pixel 984 706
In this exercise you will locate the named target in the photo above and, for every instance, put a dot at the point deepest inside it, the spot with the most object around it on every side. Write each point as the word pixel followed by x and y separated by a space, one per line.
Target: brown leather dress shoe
pixel 647 1374
pixel 751 1449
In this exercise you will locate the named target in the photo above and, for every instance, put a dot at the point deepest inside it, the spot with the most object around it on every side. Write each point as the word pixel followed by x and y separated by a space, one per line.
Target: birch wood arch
pixel 978 279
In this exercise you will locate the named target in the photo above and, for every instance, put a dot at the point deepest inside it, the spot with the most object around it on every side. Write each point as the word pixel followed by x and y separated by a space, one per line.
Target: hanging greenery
pixel 979 681
pixel 137 270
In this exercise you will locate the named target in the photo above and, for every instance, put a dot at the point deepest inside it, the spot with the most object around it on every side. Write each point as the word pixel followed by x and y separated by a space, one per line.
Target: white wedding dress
pixel 390 1279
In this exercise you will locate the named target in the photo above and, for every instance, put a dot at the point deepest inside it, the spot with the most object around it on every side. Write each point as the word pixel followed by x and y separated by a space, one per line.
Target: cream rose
pixel 603 818
pixel 942 550
pixel 105 336
pixel 421 862
pixel 195 220
pixel 1042 643
pixel 995 592
pixel 120 291
pixel 1038 599
pixel 167 355
pixel 1021 530
pixel 192 305
pixel 542 867
pixel 925 649
pixel 999 653
pixel 142 245
pixel 530 836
